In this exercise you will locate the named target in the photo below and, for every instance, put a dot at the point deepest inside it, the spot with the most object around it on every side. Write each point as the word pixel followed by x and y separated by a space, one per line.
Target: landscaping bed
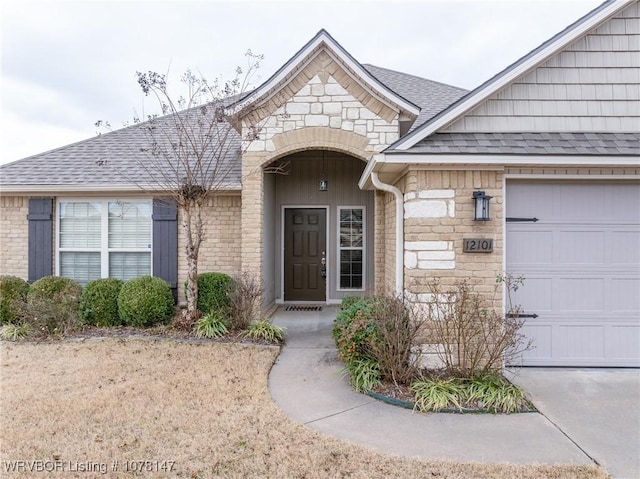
pixel 381 340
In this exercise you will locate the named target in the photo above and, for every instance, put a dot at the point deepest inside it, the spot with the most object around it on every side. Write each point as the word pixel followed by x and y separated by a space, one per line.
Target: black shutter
pixel 40 238
pixel 165 241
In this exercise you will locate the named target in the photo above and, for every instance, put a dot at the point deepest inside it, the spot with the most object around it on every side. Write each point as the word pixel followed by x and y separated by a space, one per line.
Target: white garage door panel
pixel 581 264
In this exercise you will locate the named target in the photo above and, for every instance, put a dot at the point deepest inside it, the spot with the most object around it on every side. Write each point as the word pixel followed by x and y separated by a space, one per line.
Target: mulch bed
pixel 166 331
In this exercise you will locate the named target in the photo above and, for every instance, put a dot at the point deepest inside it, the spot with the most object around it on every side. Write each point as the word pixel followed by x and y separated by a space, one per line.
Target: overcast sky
pixel 67 64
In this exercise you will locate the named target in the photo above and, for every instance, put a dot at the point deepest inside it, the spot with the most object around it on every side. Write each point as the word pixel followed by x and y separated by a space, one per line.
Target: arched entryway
pixel 318 242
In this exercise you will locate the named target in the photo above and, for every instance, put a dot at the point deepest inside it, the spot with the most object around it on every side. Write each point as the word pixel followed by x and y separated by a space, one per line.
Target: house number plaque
pixel 477 245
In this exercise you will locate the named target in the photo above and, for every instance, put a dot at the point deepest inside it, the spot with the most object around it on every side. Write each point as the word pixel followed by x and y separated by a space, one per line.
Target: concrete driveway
pixel 597 409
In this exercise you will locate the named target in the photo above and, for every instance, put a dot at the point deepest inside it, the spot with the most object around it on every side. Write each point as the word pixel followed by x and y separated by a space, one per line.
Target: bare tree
pixel 191 151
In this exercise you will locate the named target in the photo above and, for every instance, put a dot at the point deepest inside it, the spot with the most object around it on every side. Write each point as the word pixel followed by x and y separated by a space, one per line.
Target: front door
pixel 305 254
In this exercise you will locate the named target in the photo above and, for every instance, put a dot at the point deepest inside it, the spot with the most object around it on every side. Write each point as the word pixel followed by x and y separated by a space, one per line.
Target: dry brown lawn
pixel 199 409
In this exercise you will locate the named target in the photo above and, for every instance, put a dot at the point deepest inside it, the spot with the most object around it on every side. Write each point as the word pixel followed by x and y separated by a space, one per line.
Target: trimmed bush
pixel 13 299
pixel 54 305
pixel 145 301
pixel 99 302
pixel 213 292
pixel 354 329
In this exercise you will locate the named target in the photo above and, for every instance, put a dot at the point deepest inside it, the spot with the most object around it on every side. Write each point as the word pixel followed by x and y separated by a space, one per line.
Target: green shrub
pixel 354 330
pixel 99 302
pixel 213 291
pixel 265 331
pixel 13 299
pixel 54 305
pixel 145 301
pixel 364 374
pixel 211 326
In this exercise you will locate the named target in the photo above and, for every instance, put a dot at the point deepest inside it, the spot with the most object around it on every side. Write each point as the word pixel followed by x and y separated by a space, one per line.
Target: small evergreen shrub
pixel 99 302
pixel 145 301
pixel 54 305
pixel 354 329
pixel 213 292
pixel 13 299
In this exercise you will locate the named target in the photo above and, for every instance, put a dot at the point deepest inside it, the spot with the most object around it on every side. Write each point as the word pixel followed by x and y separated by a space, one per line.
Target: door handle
pixel 323 268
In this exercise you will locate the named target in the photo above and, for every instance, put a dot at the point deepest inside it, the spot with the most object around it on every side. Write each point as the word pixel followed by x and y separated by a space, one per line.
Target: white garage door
pixel 581 264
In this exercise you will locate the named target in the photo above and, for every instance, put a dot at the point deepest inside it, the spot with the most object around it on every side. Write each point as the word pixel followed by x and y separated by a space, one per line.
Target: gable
pixel 592 85
pixel 323 57
pixel 321 77
pixel 476 103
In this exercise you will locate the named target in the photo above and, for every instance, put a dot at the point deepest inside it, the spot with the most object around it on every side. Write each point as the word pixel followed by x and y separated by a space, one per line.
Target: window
pixel 351 240
pixel 101 239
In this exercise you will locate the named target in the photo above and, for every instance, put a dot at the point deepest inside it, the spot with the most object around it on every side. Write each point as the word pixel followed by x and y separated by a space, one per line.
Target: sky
pixel 67 64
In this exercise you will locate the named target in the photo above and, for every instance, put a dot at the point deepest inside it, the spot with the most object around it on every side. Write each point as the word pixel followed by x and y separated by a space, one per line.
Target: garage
pixel 577 244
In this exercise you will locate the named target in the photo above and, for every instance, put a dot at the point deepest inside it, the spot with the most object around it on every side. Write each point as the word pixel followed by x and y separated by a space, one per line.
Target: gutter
pixel 399 229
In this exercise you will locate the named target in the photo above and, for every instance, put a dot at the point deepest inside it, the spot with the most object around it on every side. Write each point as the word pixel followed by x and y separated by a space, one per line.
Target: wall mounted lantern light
pixel 324 183
pixel 481 206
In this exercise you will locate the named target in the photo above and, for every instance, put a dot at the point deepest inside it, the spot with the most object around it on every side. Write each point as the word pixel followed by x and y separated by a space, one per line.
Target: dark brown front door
pixel 304 252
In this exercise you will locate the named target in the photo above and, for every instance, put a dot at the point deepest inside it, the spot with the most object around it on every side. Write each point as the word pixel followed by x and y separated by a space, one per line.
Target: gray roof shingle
pixel 432 97
pixel 116 158
pixel 120 158
pixel 547 143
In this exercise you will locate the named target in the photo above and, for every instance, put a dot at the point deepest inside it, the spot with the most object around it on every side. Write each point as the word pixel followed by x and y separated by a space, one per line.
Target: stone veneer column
pixel 252 213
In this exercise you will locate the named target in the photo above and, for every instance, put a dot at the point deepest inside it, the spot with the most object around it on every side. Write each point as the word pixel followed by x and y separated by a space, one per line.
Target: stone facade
pixel 14 236
pixel 439 214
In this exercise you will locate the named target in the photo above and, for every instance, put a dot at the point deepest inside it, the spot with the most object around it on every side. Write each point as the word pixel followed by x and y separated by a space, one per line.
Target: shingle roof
pixel 432 97
pixel 625 144
pixel 120 159
pixel 116 158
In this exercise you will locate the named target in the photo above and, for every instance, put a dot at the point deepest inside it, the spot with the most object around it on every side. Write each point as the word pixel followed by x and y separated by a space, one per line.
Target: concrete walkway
pixel 307 385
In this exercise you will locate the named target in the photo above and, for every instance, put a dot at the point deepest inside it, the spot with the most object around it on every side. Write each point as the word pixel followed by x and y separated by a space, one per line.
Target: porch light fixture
pixel 481 206
pixel 324 183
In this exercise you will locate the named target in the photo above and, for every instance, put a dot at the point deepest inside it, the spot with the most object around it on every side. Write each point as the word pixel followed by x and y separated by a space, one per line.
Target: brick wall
pixel 14 235
pixel 221 248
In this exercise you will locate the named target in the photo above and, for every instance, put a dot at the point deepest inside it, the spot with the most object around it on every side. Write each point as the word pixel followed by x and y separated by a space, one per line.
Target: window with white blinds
pixel 102 239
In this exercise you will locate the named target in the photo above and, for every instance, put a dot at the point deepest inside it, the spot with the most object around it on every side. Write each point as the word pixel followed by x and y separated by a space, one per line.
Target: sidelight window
pixel 351 241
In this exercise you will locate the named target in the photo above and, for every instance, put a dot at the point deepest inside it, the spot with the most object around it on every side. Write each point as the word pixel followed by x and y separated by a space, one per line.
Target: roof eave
pixel 53 190
pixel 391 166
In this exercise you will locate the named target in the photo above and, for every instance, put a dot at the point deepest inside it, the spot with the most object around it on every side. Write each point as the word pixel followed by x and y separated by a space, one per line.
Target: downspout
pixel 399 229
